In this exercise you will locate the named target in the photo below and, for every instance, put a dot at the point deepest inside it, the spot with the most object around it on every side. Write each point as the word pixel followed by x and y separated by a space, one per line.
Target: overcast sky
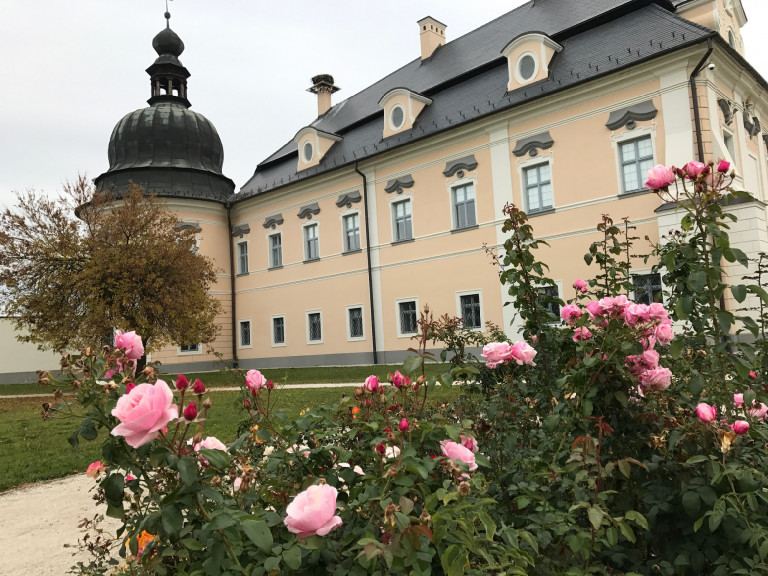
pixel 70 70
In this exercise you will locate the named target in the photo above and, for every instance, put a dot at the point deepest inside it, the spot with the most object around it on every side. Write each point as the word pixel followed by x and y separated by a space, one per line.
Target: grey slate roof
pixel 467 78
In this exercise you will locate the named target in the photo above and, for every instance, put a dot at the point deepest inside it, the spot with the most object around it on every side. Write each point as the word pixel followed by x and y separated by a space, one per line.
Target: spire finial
pixel 167 15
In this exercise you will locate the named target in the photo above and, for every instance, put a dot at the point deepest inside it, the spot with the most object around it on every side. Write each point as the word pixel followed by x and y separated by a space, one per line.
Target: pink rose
pixel 741 427
pixel 129 478
pixel 255 380
pixel 606 304
pixel 236 484
pixel 459 453
pixel 659 177
pixel 656 311
pixel 570 313
pixel 371 384
pixel 620 303
pixel 663 334
pixel 522 353
pixel 209 443
pixel 468 442
pixel 752 374
pixel 594 309
pixel 130 342
pixel 496 353
pixel 143 412
pixel 706 413
pixel 404 425
pixel 723 167
pixel 693 169
pixel 638 364
pixel 760 413
pixel 313 512
pixel 94 469
pixel 398 380
pixel 656 379
pixel 581 333
pixel 635 314
pixel 580 285
pixel 738 399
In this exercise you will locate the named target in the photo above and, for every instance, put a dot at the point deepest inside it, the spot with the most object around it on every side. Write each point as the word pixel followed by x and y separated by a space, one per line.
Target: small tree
pixel 76 268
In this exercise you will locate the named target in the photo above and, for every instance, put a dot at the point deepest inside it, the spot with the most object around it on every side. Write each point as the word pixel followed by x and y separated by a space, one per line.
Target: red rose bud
pixel 404 425
pixel 129 386
pixel 381 448
pixel 181 382
pixel 270 385
pixel 723 166
pixel 367 403
pixel 190 412
pixel 198 388
pixel 246 404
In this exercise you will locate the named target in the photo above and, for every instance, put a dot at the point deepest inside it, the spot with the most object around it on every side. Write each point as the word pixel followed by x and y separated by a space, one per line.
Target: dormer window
pixel 313 144
pixel 528 58
pixel 401 108
pixel 526 67
pixel 396 117
pixel 308 151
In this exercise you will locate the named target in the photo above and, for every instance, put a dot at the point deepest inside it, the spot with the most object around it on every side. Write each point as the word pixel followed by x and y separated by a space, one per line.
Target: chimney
pixel 322 85
pixel 432 34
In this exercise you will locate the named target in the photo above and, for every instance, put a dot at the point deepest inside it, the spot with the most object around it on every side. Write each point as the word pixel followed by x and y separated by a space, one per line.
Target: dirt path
pixel 38 526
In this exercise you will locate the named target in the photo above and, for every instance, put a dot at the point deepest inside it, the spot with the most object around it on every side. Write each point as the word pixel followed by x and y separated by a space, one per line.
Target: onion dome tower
pixel 167 148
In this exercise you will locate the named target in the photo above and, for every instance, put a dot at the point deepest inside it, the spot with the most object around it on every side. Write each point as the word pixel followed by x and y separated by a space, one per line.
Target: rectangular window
pixel 407 314
pixel 550 296
pixel 351 232
pixel 242 257
pixel 636 160
pixel 464 206
pixel 190 348
pixel 278 330
pixel 355 317
pixel 311 243
pixel 728 140
pixel 314 327
pixel 470 310
pixel 275 250
pixel 401 216
pixel 538 188
pixel 647 288
pixel 245 333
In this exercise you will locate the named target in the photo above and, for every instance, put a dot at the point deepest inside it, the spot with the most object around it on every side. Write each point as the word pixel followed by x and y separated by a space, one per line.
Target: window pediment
pixel 398 184
pixel 635 113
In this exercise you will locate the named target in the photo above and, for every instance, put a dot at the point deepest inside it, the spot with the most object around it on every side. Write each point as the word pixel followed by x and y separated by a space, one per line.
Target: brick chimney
pixel 432 35
pixel 322 85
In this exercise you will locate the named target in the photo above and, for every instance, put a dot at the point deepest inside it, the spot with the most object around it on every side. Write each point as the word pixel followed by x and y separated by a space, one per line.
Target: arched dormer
pixel 313 145
pixel 401 108
pixel 528 57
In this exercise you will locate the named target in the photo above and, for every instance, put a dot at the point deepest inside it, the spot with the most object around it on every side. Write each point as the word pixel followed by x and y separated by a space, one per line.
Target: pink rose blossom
pixel 496 353
pixel 404 425
pixel 398 380
pixel 706 413
pixel 581 333
pixel 723 166
pixel 94 469
pixel 580 285
pixel 459 453
pixel 760 413
pixel 663 334
pixel 570 313
pixel 659 177
pixel 635 314
pixel 620 303
pixel 371 384
pixel 209 443
pixel 752 374
pixel 468 442
pixel 129 342
pixel 741 427
pixel 129 478
pixel 236 484
pixel 693 169
pixel 606 304
pixel 313 512
pixel 522 353
pixel 594 309
pixel 656 379
pixel 640 363
pixel 656 311
pixel 738 399
pixel 255 381
pixel 143 412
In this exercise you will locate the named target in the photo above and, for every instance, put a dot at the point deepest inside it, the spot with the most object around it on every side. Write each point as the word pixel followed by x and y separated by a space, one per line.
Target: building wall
pixel 19 361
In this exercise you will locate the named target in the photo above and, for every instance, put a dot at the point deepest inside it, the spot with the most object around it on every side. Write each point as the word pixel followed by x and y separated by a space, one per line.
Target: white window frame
pixel 304 157
pixel 269 248
pixel 460 183
pixel 351 338
pixel 272 331
pixel 391 111
pixel 239 257
pixel 618 139
pixel 304 241
pixel 399 301
pixel 532 163
pixel 399 199
pixel 240 333
pixel 479 294
pixel 518 76
pixel 344 216
pixel 196 352
pixel 647 272
pixel 732 153
pixel 322 326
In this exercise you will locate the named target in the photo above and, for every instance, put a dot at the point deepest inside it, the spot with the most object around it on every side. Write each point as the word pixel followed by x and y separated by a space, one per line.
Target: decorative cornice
pixel 466 163
pixel 727 109
pixel 398 184
pixel 194 226
pixel 240 230
pixel 348 199
pixel 309 210
pixel 273 221
pixel 642 111
pixel 531 144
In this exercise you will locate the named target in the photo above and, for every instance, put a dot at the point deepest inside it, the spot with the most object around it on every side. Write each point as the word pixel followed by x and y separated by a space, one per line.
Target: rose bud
pixel 207 403
pixel 129 386
pixel 404 425
pixel 246 404
pixel 198 388
pixel 381 448
pixel 181 382
pixel 270 385
pixel 190 412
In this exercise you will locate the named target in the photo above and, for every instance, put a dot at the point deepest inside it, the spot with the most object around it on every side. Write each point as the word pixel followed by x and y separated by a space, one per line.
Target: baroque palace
pixel 387 200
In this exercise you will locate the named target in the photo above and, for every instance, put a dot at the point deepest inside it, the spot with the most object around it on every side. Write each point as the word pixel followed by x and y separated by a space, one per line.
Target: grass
pixel 33 449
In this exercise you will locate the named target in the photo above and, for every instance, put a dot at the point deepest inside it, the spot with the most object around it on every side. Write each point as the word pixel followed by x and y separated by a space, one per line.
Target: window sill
pixel 312 342
pixel 241 274
pixel 275 267
pixel 408 335
pixel 312 260
pixel 457 230
pixel 543 212
pixel 396 242
pixel 356 251
pixel 355 338
pixel 279 345
pixel 632 193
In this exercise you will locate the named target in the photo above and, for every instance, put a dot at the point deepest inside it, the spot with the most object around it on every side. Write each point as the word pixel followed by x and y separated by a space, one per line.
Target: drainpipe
pixel 228 206
pixel 695 97
pixel 370 273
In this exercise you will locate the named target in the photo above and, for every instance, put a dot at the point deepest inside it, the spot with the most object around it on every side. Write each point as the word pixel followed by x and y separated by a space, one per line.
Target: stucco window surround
pixel 242 250
pixel 275 248
pixel 401 102
pixel 190 350
pixel 406 317
pixel 350 231
pixel 244 333
pixel 525 169
pixel 314 324
pixel 462 199
pixel 467 304
pixel 312 145
pixel 528 58
pixel 276 330
pixel 622 137
pixel 401 214
pixel 354 317
pixel 310 240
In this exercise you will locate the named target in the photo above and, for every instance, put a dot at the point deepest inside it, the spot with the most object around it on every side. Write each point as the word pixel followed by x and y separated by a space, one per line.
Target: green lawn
pixel 33 449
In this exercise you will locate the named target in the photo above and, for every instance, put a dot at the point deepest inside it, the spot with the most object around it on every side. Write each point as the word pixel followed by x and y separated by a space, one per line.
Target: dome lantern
pixel 168 77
